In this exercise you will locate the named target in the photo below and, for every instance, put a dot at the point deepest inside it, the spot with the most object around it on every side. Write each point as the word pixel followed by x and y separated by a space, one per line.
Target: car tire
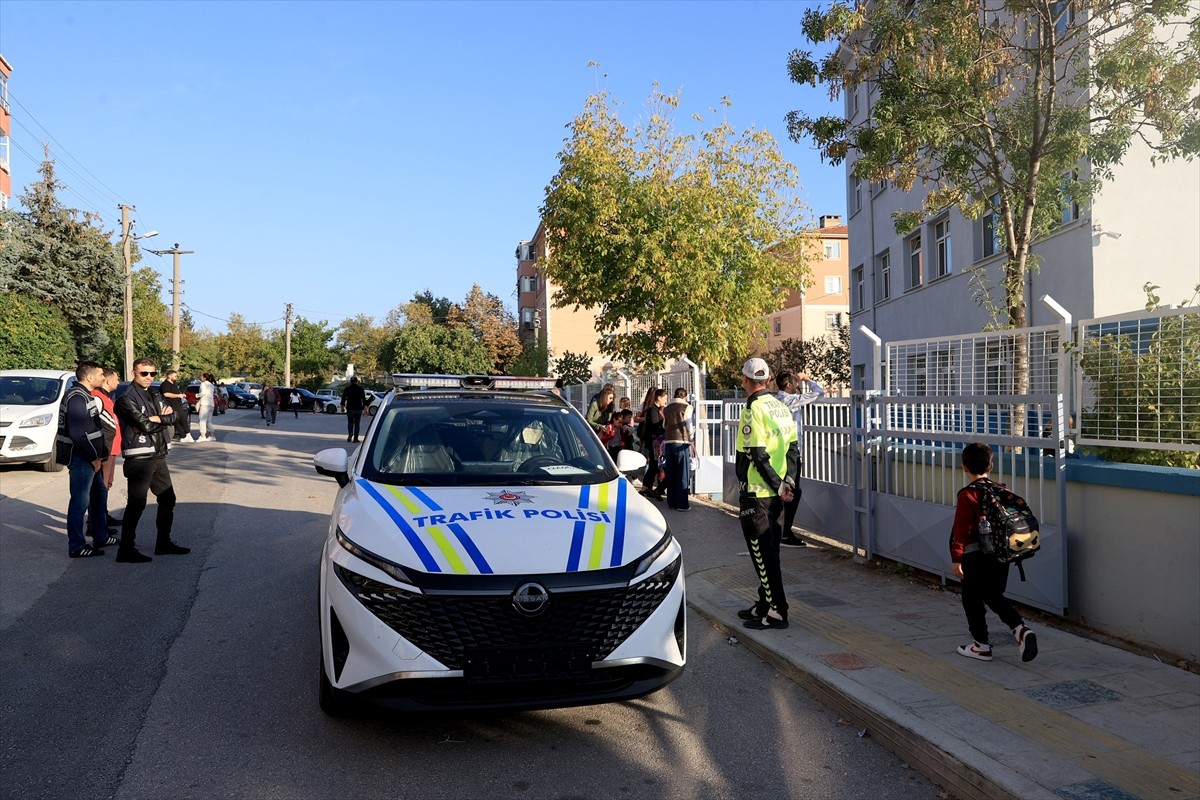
pixel 332 701
pixel 51 465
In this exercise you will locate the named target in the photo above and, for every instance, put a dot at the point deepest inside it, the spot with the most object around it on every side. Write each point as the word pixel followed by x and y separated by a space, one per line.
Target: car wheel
pixel 50 465
pixel 332 701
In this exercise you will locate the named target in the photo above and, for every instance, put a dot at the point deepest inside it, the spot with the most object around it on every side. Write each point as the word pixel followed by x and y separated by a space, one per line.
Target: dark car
pixel 240 398
pixel 308 400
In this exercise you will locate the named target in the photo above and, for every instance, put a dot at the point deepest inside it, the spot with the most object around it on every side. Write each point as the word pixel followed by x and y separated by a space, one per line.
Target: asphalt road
pixel 196 676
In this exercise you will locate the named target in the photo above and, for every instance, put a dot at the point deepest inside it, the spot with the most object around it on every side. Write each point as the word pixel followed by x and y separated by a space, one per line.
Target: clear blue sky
pixel 342 156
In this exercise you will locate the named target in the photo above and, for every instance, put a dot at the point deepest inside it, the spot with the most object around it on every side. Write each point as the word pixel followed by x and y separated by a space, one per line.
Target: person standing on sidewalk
pixel 984 579
pixel 651 434
pixel 677 449
pixel 99 520
pixel 170 390
pixel 795 392
pixel 354 400
pixel 81 434
pixel 146 422
pixel 767 465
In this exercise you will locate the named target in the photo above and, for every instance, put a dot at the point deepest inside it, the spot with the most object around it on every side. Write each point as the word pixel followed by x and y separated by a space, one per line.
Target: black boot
pixel 169 548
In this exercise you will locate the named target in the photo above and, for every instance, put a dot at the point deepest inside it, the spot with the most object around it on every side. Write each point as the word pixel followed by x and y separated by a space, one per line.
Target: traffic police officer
pixel 768 463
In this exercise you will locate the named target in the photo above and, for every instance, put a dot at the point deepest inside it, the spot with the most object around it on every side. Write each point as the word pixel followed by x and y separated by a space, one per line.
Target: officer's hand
pixel 785 492
pixel 956 571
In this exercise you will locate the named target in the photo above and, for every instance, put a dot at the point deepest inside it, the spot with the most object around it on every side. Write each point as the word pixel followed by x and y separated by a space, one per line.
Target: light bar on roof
pixel 406 380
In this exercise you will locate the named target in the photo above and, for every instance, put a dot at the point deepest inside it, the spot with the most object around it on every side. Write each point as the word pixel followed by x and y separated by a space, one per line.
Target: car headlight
pixel 36 422
pixel 653 554
pixel 394 571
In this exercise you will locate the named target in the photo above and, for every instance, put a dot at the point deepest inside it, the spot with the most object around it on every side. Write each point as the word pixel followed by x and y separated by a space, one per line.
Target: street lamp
pixel 128 235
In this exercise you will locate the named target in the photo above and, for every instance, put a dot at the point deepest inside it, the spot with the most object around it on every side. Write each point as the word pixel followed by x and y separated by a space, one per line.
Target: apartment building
pixel 5 130
pixel 1141 227
pixel 823 305
pixel 564 330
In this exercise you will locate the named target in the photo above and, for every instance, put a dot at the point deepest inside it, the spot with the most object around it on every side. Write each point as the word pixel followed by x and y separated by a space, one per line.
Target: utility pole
pixel 176 252
pixel 287 346
pixel 125 235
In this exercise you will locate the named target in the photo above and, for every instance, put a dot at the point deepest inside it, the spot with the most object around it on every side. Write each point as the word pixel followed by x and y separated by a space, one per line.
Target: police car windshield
pixel 481 439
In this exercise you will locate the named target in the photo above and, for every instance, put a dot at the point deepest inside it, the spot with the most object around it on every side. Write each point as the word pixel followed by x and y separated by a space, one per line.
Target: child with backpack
pixel 984 577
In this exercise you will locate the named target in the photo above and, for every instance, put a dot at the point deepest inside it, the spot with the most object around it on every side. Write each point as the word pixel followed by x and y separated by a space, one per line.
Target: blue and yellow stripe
pixel 599 530
pixel 416 502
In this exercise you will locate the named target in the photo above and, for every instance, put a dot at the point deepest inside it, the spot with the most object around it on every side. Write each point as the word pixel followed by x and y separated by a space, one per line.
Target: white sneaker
pixel 211 439
pixel 981 652
pixel 1026 641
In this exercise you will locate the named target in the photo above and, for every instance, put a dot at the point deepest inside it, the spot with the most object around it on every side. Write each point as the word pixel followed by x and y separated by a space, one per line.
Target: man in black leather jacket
pixel 146 421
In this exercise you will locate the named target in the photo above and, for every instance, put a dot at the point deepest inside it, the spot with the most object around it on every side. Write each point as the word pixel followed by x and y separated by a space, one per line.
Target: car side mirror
pixel 630 461
pixel 335 463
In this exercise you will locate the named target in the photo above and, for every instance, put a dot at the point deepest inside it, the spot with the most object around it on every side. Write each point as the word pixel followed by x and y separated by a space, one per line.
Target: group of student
pixel 662 430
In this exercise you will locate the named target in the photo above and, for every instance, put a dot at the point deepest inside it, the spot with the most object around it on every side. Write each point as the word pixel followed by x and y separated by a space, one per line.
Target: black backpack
pixel 1014 534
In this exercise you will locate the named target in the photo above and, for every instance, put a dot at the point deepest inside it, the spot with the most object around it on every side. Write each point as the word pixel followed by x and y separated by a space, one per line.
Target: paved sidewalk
pixel 1083 721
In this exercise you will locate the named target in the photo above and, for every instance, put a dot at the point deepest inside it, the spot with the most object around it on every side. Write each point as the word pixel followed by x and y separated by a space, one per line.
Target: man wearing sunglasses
pixel 147 420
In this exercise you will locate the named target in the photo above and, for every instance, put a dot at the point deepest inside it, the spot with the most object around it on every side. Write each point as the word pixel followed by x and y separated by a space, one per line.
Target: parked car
pixel 486 552
pixel 29 400
pixel 220 398
pixel 374 401
pixel 308 400
pixel 240 398
pixel 331 401
pixel 253 388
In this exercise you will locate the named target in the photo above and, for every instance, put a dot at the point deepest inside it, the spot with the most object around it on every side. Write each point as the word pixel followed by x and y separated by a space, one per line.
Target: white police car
pixel 485 552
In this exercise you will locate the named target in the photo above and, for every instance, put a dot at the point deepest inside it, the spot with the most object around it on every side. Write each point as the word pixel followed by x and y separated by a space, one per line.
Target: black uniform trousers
pixel 147 475
pixel 759 517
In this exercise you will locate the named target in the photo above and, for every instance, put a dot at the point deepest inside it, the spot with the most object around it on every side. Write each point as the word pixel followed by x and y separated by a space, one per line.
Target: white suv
pixel 29 400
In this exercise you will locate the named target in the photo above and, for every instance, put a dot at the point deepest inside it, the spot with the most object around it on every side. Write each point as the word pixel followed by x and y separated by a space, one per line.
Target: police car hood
pixel 500 529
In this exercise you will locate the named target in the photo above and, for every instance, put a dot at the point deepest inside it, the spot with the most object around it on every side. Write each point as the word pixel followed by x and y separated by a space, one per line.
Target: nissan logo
pixel 530 599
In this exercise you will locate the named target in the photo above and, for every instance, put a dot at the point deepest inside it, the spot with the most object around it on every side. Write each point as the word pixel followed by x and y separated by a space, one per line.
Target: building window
pixel 855 194
pixel 833 284
pixel 858 299
pixel 944 378
pixel 913 276
pixel 777 326
pixel 942 264
pixel 833 251
pixel 990 229
pixel 529 283
pixel 884 275
pixel 527 318
pixel 859 379
pixel 833 320
pixel 1070 206
pixel 852 103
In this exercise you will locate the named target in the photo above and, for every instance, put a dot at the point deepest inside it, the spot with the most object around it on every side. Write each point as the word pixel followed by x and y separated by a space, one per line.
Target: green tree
pixel 491 324
pixel 573 368
pixel 826 358
pixel 60 255
pixel 244 348
pixel 313 360
pixel 534 360
pixel 199 351
pixel 359 342
pixel 1009 111
pixel 431 349
pixel 33 334
pixel 151 323
pixel 665 235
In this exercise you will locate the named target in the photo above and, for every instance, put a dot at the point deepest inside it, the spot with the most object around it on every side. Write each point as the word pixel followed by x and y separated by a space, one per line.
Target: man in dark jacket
pixel 81 434
pixel 354 399
pixel 146 423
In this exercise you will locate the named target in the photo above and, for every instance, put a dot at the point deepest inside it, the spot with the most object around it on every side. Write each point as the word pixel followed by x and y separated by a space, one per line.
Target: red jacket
pixel 114 447
pixel 966 521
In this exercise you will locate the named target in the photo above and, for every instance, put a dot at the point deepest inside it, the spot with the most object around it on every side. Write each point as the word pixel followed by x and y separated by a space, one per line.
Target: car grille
pixel 452 628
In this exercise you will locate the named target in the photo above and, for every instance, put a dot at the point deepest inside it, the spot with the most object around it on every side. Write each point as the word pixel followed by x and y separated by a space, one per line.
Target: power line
pixel 226 321
pixel 113 194
pixel 88 202
pixel 65 165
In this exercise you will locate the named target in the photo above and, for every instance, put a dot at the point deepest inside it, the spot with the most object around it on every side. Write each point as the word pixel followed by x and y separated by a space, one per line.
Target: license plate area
pixel 526 663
